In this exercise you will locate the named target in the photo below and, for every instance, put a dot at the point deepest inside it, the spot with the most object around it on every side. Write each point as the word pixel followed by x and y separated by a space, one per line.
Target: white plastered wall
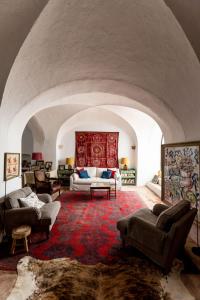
pixel 96 119
pixel 150 65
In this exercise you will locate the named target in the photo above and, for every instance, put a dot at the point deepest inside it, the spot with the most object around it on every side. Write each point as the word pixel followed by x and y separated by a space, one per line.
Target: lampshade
pixel 37 156
pixel 159 173
pixel 70 161
pixel 124 161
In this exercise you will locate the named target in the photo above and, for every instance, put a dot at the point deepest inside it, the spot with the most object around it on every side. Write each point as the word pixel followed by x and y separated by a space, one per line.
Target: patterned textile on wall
pixel 97 149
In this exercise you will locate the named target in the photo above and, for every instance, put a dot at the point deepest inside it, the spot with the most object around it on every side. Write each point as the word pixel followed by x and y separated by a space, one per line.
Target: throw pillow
pixel 79 170
pixel 172 214
pixel 84 174
pixel 112 174
pixel 106 174
pixel 155 179
pixel 31 201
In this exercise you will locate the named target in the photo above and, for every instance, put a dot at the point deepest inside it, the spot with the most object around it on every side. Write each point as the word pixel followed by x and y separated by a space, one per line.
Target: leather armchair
pixel 44 184
pixel 161 233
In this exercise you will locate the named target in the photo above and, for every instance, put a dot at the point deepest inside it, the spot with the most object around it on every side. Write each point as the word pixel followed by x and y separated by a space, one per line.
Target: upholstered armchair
pixel 44 184
pixel 161 233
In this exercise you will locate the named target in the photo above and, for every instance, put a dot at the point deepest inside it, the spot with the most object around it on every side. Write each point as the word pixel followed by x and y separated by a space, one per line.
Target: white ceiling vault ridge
pixel 102 46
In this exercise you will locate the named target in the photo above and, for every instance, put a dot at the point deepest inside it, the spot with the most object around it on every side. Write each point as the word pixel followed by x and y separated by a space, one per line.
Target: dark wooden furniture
pixel 64 176
pixel 44 184
pixel 103 187
pixel 20 233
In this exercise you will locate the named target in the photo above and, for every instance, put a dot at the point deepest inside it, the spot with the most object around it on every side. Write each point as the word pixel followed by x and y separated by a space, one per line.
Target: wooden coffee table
pixel 103 187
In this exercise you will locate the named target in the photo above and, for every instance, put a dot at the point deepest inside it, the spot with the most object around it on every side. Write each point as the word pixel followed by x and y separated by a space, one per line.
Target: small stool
pixel 21 232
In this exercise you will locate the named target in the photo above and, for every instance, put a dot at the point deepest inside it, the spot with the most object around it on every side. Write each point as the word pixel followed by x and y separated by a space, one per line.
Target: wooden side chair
pixel 44 184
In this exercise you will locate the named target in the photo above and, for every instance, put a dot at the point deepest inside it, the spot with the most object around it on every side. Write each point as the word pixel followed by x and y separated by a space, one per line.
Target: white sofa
pixel 83 184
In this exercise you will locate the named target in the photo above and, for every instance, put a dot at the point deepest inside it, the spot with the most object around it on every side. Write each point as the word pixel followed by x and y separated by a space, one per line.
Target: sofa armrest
pixel 46 198
pixel 21 216
pixel 146 233
pixel 117 176
pixel 74 177
pixel 158 208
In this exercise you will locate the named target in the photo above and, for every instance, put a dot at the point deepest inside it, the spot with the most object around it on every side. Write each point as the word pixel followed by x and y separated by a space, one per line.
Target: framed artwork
pixel 61 167
pixel 180 172
pixel 48 165
pixel 11 165
pixel 40 164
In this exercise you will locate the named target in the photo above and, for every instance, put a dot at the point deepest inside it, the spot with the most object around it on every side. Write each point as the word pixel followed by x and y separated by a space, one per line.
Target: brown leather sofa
pixel 161 233
pixel 39 219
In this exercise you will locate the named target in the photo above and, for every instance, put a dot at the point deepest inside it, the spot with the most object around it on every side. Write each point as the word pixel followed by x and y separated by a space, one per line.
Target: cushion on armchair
pixel 31 201
pixel 172 214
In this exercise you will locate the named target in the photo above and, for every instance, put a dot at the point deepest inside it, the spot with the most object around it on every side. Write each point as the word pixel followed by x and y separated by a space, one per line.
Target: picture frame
pixel 61 167
pixel 180 171
pixel 11 165
pixel 40 164
pixel 48 165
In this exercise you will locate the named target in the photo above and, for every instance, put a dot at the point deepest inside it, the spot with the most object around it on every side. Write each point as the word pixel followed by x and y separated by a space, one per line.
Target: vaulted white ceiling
pixel 54 42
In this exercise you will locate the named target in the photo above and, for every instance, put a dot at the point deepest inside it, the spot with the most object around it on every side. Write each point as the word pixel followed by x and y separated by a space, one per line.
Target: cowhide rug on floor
pixel 68 279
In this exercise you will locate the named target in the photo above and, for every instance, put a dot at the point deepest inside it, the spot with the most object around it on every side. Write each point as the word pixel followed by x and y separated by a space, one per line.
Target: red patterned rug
pixel 85 230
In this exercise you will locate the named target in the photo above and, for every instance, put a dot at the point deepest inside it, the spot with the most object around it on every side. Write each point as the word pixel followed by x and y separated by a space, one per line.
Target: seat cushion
pixel 146 215
pixel 172 214
pixel 110 180
pixel 85 180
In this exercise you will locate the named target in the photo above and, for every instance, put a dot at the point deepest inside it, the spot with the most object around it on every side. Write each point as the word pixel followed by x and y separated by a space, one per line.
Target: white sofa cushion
pixel 110 180
pixel 91 171
pixel 85 180
pixel 100 171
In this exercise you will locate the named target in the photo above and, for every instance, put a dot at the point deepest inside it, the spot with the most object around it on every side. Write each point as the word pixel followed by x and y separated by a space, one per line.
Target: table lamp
pixel 70 162
pixel 124 161
pixel 37 156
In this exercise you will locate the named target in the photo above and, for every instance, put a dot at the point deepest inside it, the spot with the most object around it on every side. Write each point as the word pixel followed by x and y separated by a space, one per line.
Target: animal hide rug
pixel 68 279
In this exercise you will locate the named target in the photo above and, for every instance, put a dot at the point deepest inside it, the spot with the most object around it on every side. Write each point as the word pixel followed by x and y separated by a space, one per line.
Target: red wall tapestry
pixel 97 149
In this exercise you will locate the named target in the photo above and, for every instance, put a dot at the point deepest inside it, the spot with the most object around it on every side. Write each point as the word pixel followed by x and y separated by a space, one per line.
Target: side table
pixel 21 232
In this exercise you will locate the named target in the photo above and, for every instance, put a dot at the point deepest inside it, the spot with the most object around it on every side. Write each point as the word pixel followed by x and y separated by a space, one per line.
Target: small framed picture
pixel 40 164
pixel 48 165
pixel 61 167
pixel 11 165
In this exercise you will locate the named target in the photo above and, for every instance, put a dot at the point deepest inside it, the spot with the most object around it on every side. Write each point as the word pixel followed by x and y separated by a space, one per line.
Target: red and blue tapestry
pixel 97 149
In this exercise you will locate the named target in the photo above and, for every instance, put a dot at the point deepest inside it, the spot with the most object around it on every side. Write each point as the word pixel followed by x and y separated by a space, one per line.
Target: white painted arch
pixel 110 92
pixel 145 131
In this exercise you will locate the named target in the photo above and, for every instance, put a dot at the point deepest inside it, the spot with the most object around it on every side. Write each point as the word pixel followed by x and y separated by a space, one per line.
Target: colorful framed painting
pixel 180 171
pixel 11 165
